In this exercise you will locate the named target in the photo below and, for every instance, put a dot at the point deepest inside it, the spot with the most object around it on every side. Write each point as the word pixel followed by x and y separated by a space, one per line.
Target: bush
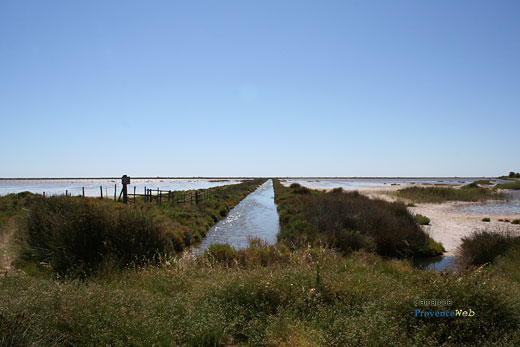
pixel 78 236
pixel 516 221
pixel 350 221
pixel 486 219
pixel 222 253
pixel 422 220
pixel 484 247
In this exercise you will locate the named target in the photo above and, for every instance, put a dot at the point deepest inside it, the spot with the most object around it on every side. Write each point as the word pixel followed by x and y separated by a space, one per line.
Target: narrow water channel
pixel 254 217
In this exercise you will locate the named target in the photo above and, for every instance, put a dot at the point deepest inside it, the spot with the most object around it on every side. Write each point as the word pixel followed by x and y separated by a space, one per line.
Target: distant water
pixel 495 208
pixel 254 217
pixel 359 183
pixel 74 186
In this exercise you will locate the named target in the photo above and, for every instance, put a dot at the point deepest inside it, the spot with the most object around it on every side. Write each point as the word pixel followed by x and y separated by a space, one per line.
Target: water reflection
pixel 254 217
pixel 441 263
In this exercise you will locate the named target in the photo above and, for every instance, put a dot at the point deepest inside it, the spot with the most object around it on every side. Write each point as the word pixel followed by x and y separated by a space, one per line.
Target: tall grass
pixel 308 297
pixel 76 236
pixel 511 185
pixel 484 247
pixel 442 194
pixel 350 221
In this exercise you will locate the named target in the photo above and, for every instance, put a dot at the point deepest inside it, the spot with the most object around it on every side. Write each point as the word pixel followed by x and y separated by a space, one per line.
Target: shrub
pixel 222 253
pixel 484 247
pixel 486 219
pixel 411 204
pixel 77 236
pixel 422 220
pixel 516 221
pixel 350 221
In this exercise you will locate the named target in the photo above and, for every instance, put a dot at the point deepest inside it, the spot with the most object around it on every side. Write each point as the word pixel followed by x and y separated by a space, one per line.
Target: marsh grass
pixel 442 194
pixel 307 297
pixel 76 237
pixel 484 247
pixel 349 221
pixel 511 185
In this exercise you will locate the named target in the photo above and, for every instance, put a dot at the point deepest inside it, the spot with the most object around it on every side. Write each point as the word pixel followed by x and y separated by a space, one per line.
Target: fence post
pixel 134 194
pixel 196 197
pixel 158 196
pixel 44 195
pixel 115 192
pixel 66 193
pixel 83 188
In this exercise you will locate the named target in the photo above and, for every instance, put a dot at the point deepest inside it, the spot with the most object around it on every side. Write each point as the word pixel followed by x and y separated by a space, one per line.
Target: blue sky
pixel 259 88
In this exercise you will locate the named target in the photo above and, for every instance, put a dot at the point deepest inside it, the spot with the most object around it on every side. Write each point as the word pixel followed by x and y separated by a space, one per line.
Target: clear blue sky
pixel 259 88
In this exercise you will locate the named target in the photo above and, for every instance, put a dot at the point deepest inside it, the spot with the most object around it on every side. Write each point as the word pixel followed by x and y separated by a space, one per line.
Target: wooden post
pixel 158 195
pixel 134 194
pixel 83 188
pixel 115 192
pixel 44 195
pixel 125 181
pixel 101 191
pixel 66 193
pixel 196 197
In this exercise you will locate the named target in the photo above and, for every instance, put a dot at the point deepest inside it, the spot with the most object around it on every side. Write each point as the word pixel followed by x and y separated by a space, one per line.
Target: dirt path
pixel 5 236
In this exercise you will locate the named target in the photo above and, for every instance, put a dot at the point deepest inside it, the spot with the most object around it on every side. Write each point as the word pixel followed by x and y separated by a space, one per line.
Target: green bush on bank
pixel 484 247
pixel 350 221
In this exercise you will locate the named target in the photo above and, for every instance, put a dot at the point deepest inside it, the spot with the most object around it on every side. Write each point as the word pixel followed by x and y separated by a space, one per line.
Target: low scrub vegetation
pixel 442 194
pixel 510 185
pixel 349 222
pixel 307 297
pixel 75 236
pixel 483 247
pixel 486 219
pixel 422 220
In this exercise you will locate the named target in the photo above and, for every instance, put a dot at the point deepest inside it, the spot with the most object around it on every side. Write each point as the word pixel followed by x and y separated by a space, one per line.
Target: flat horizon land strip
pixel 288 294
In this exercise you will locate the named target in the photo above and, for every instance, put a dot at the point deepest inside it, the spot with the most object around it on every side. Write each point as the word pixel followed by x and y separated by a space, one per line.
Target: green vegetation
pixel 349 222
pixel 411 204
pixel 442 194
pixel 422 220
pixel 74 236
pixel 513 174
pixel 515 221
pixel 294 293
pixel 511 185
pixel 301 298
pixel 486 219
pixel 483 247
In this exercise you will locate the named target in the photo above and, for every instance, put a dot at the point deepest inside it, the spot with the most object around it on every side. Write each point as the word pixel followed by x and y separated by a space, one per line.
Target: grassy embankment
pixel 75 237
pixel 470 192
pixel 349 221
pixel 268 295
